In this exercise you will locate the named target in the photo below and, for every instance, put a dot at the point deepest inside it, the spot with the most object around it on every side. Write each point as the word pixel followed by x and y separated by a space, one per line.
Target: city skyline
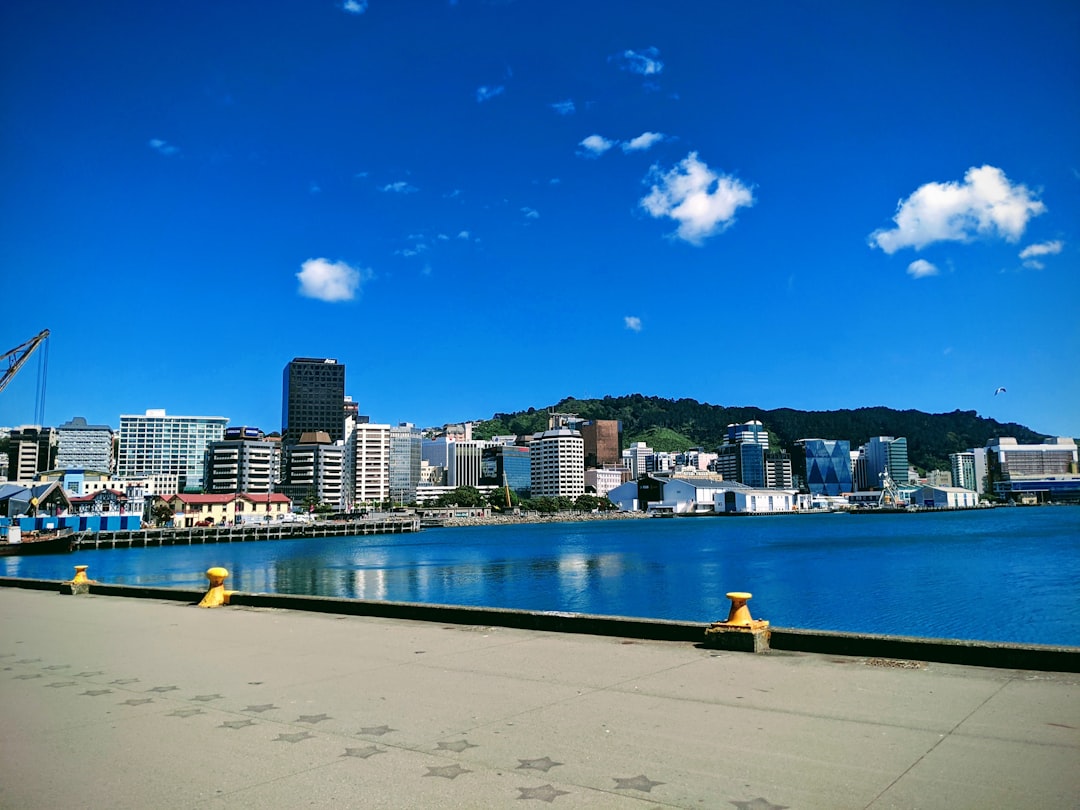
pixel 491 206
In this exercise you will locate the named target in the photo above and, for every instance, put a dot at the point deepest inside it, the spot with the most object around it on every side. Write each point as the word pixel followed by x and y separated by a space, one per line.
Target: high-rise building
pixel 243 461
pixel 156 443
pixel 557 463
pixel 639 458
pixel 84 447
pixel 747 433
pixel 406 441
pixel 506 465
pixel 371 462
pixel 315 470
pixel 313 399
pixel 31 449
pixel 828 466
pixel 884 454
pixel 603 441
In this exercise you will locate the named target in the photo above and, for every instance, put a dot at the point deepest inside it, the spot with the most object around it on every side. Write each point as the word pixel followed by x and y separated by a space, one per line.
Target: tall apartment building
pixel 84 447
pixel 557 463
pixel 316 469
pixel 828 466
pixel 313 398
pixel 883 454
pixel 406 442
pixel 155 443
pixel 639 458
pixel 371 464
pixel 603 441
pixel 243 461
pixel 31 449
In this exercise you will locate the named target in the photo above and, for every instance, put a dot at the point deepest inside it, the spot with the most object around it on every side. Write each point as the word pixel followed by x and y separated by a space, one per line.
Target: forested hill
pixel 673 425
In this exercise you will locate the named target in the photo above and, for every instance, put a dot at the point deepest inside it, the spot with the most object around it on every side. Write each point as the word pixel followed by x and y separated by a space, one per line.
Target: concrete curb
pixel 1034 657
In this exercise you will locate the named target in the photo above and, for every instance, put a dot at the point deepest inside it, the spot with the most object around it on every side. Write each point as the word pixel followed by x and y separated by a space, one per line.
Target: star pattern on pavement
pixel 95 673
pixel 295 737
pixel 545 764
pixel 58 684
pixel 376 731
pixel 206 698
pixel 312 718
pixel 123 681
pixel 365 752
pixel 262 707
pixel 457 747
pixel 96 692
pixel 28 676
pixel 640 782
pixel 58 666
pixel 137 701
pixel 545 793
pixel 163 689
pixel 759 804
pixel 447 771
pixel 237 724
pixel 186 712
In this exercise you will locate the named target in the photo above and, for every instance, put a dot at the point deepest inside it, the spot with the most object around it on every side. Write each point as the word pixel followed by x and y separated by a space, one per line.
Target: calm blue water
pixel 997 575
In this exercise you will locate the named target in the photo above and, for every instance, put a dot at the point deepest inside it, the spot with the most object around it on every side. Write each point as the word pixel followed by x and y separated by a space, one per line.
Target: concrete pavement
pixel 109 702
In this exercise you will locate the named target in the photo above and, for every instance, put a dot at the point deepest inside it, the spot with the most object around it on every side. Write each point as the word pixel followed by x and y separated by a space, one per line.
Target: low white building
pixel 751 501
pixel 945 497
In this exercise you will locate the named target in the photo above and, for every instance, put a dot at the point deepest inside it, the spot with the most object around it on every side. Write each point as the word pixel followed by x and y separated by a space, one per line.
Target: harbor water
pixel 1005 574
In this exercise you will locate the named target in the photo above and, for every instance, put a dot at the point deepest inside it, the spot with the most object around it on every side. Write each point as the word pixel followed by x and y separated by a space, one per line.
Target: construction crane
pixel 18 356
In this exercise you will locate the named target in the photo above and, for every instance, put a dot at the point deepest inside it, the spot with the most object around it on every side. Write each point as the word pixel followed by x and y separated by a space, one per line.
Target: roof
pixel 227 497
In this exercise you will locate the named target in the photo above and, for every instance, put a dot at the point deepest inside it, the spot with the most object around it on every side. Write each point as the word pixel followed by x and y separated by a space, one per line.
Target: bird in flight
pixel 999 391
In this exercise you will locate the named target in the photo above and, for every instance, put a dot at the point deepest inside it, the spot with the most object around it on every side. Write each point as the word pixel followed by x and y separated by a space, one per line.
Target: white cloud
pixel 1042 249
pixel 645 63
pixel 530 213
pixel 920 268
pixel 314 188
pixel 564 107
pixel 984 204
pixel 633 323
pixel 595 145
pixel 463 235
pixel 486 92
pixel 642 142
pixel 354 6
pixel 400 187
pixel 330 281
pixel 163 147
pixel 702 201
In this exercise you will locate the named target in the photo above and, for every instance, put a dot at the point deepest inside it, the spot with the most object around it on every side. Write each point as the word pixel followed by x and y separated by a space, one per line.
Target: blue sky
pixel 485 206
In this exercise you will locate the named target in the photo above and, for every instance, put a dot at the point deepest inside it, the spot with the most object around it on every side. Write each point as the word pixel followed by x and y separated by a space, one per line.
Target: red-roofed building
pixel 225 508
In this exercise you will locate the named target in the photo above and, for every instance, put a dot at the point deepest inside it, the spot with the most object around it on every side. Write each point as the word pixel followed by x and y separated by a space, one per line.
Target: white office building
pixel 558 463
pixel 155 443
pixel 84 447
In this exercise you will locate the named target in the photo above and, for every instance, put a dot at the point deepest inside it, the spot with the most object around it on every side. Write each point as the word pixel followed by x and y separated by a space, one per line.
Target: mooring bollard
pixel 217 595
pixel 79 583
pixel 741 631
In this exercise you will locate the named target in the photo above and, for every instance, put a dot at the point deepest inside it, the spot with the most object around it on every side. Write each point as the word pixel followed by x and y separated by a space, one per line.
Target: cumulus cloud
pixel 400 187
pixel 463 235
pixel 330 281
pixel 163 147
pixel 644 63
pixel 486 92
pixel 920 268
pixel 530 213
pixel 1042 249
pixel 595 145
pixel 633 323
pixel 984 204
pixel 642 142
pixel 564 107
pixel 354 6
pixel 702 201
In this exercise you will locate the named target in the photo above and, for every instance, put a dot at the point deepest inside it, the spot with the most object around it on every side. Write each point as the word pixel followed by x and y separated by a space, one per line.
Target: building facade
pixel 243 461
pixel 158 444
pixel 507 465
pixel 603 441
pixel 371 463
pixel 557 464
pixel 313 398
pixel 1033 472
pixel 84 447
pixel 31 449
pixel 828 466
pixel 406 443
pixel 316 468
pixel 883 454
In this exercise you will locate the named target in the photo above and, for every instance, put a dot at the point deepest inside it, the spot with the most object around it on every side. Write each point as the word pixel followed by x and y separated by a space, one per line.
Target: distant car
pixel 205 523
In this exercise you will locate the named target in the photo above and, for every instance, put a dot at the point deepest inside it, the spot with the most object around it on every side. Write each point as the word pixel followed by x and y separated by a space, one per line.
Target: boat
pixel 39 544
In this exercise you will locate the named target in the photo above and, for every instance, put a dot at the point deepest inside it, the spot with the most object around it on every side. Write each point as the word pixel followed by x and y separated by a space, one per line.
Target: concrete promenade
pixel 110 702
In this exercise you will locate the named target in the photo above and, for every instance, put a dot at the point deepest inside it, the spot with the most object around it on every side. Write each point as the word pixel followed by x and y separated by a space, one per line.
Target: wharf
pixel 113 702
pixel 144 538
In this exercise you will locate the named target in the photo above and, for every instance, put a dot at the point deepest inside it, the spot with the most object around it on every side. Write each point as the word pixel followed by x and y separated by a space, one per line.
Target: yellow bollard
pixel 741 631
pixel 79 583
pixel 217 595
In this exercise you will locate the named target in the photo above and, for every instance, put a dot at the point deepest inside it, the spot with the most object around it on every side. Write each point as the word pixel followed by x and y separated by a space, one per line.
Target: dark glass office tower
pixel 312 398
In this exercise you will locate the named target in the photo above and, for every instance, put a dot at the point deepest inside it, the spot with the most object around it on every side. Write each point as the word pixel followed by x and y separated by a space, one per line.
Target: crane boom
pixel 19 355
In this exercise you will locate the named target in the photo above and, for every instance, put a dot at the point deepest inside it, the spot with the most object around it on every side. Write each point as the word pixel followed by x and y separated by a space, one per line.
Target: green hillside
pixel 668 424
